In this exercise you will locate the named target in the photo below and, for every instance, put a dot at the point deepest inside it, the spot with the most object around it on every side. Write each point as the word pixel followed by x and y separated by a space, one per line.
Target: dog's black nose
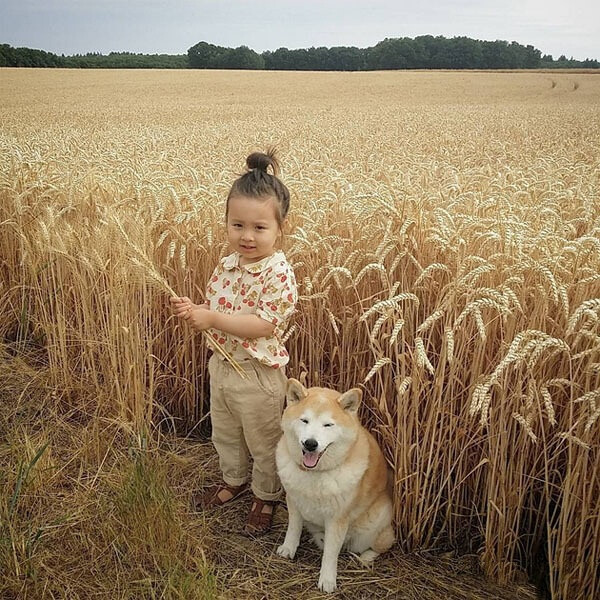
pixel 310 444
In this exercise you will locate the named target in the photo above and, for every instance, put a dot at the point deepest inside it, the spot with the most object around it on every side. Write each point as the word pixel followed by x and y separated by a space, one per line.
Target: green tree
pixel 206 56
pixel 281 59
pixel 242 58
pixel 392 53
pixel 347 58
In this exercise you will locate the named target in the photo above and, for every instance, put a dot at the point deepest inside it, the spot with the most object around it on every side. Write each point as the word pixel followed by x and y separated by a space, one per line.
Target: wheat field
pixel 445 234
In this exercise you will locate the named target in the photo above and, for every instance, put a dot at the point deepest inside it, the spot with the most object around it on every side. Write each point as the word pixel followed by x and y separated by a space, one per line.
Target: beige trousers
pixel 246 421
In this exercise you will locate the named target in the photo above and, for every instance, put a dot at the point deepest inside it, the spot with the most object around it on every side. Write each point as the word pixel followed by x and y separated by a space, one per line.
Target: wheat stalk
pixel 149 270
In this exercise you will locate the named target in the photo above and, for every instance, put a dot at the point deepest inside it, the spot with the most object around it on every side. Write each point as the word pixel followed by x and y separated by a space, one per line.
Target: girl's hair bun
pixel 257 183
pixel 262 161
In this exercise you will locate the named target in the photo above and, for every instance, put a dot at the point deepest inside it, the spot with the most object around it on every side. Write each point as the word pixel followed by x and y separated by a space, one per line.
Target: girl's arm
pixel 200 317
pixel 244 326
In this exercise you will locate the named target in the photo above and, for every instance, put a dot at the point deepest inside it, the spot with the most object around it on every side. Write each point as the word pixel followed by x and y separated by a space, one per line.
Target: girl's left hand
pixel 199 317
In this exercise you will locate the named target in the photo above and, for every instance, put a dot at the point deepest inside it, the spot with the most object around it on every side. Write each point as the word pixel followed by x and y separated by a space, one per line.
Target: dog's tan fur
pixel 343 498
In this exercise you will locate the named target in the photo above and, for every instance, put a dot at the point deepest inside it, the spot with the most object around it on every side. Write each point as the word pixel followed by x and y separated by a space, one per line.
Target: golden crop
pixel 445 234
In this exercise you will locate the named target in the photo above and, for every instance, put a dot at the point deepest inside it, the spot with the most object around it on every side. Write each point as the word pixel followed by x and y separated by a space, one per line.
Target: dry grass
pixel 105 513
pixel 445 235
pixel 87 506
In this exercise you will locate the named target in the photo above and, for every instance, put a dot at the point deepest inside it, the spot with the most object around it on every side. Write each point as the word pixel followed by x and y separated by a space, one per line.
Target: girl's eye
pixel 304 421
pixel 328 425
pixel 261 227
pixel 237 225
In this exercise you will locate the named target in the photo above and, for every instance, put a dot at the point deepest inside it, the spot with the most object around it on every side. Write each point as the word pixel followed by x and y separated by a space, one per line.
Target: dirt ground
pixel 251 569
pixel 244 568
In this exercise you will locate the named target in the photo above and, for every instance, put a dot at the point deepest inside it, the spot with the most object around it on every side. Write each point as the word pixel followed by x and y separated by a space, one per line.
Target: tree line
pixel 28 57
pixel 422 52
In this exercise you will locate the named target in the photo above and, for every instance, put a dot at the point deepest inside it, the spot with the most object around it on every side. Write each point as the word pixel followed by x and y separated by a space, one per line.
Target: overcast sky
pixel 570 27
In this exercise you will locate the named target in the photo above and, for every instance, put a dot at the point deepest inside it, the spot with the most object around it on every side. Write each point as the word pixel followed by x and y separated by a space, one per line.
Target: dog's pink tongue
pixel 310 459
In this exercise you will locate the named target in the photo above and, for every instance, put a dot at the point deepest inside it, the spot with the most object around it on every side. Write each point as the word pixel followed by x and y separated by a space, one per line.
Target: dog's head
pixel 320 424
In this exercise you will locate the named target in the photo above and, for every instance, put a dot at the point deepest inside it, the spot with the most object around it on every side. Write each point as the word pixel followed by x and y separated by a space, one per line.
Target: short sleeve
pixel 277 301
pixel 213 285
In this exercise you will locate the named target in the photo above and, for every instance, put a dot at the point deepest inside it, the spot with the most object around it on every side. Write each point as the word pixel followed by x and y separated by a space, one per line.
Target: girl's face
pixel 252 227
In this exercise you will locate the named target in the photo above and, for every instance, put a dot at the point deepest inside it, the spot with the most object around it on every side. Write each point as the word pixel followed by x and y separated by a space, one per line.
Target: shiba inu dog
pixel 335 478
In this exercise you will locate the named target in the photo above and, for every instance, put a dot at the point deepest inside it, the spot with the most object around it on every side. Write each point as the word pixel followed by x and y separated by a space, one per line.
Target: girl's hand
pixel 182 306
pixel 199 317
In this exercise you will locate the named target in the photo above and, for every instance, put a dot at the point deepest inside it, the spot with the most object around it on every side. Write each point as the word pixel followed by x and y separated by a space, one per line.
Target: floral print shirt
pixel 266 288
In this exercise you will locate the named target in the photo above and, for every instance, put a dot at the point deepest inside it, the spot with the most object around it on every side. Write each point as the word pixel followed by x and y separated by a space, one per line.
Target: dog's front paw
pixel 286 551
pixel 327 583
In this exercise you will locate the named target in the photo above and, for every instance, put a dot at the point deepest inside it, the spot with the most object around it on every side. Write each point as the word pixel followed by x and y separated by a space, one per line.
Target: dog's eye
pixel 327 424
pixel 304 421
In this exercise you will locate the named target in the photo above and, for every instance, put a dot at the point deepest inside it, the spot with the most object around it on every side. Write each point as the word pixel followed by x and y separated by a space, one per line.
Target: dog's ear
pixel 294 392
pixel 350 400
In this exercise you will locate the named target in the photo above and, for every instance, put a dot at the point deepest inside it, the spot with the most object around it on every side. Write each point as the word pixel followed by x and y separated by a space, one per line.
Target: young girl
pixel 250 297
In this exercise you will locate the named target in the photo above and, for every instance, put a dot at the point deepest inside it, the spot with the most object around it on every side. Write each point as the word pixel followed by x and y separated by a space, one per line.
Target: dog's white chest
pixel 321 495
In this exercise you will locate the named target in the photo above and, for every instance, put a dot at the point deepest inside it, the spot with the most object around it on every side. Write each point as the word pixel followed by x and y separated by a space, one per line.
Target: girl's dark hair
pixel 258 183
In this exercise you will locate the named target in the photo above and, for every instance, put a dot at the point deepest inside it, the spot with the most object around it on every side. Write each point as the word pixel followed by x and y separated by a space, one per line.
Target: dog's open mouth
pixel 311 459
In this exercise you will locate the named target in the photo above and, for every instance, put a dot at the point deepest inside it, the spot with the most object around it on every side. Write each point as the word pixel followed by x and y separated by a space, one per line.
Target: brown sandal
pixel 212 496
pixel 259 519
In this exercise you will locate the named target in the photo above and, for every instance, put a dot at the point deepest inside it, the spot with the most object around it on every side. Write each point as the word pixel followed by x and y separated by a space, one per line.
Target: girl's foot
pixel 218 494
pixel 260 517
